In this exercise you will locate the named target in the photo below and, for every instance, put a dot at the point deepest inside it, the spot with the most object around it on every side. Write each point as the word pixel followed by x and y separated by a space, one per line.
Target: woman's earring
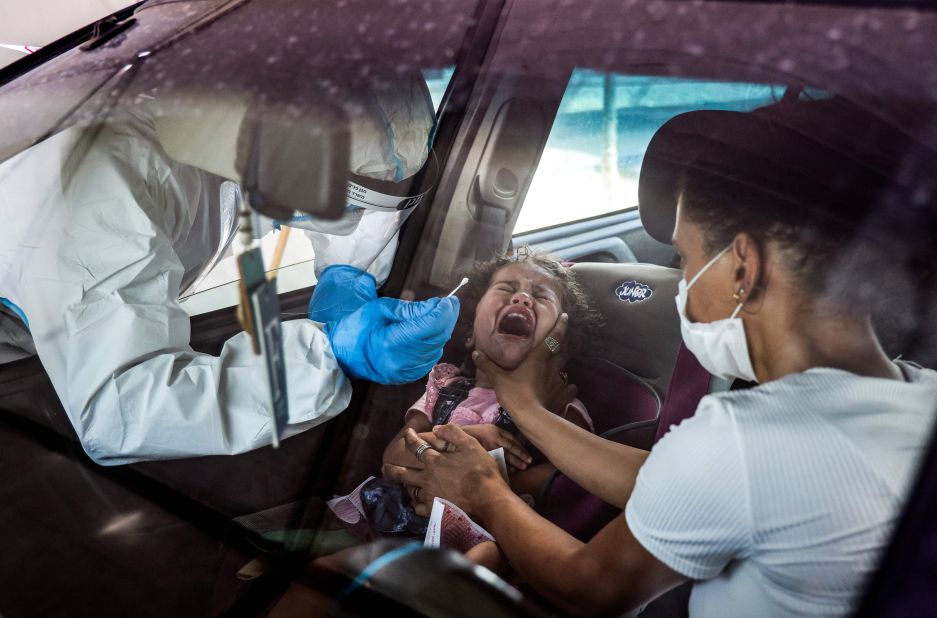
pixel 738 295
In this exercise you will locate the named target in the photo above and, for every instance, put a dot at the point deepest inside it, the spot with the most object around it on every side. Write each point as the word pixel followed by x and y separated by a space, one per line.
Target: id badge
pixel 261 319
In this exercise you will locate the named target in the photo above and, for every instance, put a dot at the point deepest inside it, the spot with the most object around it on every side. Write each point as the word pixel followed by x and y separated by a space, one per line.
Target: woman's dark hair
pixel 865 265
pixel 841 193
pixel 723 209
pixel 583 320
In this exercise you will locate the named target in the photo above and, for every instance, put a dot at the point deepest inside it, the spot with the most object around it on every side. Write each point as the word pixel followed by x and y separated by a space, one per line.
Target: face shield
pixel 375 215
pixel 390 141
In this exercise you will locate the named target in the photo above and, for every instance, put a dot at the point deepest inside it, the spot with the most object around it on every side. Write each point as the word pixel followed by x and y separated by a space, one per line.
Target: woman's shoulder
pixel 830 377
pixel 810 394
pixel 916 374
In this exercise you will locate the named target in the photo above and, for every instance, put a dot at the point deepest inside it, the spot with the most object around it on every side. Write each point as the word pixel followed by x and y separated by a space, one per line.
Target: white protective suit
pixel 100 235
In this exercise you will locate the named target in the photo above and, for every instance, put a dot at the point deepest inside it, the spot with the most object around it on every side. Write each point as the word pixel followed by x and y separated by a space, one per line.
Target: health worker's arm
pixel 101 298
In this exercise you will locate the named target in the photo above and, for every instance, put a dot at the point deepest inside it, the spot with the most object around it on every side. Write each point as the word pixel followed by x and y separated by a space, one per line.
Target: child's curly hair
pixel 584 321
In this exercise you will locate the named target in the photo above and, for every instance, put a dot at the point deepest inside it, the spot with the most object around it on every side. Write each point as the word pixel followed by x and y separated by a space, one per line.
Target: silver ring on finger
pixel 420 450
pixel 552 344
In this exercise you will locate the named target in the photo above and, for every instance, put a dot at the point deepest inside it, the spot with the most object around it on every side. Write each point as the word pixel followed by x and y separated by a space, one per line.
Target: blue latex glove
pixel 341 290
pixel 392 341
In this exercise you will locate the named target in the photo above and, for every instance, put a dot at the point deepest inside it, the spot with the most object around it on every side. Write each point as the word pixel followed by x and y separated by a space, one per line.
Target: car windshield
pixel 304 55
pixel 301 61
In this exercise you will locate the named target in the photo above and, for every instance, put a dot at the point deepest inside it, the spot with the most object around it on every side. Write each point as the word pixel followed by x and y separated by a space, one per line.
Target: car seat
pixel 636 385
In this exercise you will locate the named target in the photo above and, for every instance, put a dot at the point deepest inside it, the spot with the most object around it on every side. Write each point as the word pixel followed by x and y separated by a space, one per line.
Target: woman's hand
pixel 537 380
pixel 396 451
pixel 492 437
pixel 462 472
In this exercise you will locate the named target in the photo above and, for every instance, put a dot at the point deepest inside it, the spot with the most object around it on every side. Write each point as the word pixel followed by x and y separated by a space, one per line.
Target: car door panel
pixel 615 238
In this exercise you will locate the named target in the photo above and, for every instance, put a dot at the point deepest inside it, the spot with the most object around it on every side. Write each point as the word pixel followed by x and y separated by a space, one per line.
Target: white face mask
pixel 720 346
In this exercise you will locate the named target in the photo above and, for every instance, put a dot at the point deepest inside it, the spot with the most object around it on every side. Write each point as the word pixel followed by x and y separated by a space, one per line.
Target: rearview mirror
pixel 285 157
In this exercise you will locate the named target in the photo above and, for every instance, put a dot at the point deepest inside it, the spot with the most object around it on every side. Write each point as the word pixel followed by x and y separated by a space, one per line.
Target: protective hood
pixel 389 146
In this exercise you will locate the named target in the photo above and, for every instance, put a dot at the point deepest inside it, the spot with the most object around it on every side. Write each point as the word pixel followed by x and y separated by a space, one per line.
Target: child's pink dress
pixel 479 406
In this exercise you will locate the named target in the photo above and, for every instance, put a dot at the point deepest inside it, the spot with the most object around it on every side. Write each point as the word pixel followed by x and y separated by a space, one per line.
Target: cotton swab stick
pixel 461 283
pixel 278 252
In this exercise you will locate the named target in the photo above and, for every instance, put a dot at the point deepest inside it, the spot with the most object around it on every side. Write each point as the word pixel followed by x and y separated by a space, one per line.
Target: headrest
pixel 642 330
pixel 833 161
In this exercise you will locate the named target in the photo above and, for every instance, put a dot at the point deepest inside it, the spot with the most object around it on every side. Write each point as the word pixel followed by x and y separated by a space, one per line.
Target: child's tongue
pixel 515 324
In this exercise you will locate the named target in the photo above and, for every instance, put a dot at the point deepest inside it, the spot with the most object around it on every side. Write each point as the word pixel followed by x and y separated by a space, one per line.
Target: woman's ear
pixel 749 260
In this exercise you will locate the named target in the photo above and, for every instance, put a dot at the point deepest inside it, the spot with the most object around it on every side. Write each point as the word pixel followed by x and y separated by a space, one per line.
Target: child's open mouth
pixel 516 321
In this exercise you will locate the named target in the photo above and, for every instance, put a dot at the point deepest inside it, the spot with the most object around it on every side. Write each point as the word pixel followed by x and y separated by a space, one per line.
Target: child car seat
pixel 636 385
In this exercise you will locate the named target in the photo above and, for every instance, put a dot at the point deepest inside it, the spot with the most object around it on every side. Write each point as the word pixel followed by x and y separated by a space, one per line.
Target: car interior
pixel 544 110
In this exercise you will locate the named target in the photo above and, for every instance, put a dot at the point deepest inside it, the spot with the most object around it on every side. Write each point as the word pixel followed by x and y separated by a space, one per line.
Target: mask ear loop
pixel 706 267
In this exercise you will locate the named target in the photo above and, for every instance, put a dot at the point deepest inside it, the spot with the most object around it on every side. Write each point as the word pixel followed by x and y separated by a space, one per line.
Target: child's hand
pixel 492 437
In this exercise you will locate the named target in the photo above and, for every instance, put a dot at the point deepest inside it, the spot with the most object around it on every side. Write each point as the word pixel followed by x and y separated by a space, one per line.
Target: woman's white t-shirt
pixel 781 498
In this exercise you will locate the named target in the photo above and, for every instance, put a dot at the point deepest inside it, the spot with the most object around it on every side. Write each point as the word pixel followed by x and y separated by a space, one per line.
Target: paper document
pixel 449 526
pixel 498 454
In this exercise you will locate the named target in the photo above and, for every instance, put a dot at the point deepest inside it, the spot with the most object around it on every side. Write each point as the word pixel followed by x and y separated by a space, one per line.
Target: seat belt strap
pixel 688 384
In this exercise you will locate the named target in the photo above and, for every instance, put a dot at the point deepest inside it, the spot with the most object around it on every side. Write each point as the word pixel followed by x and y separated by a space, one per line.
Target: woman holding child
pixel 510 307
pixel 775 500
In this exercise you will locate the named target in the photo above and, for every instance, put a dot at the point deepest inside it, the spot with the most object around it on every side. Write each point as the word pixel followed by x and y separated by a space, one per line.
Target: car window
pixel 591 161
pixel 437 80
pixel 219 287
